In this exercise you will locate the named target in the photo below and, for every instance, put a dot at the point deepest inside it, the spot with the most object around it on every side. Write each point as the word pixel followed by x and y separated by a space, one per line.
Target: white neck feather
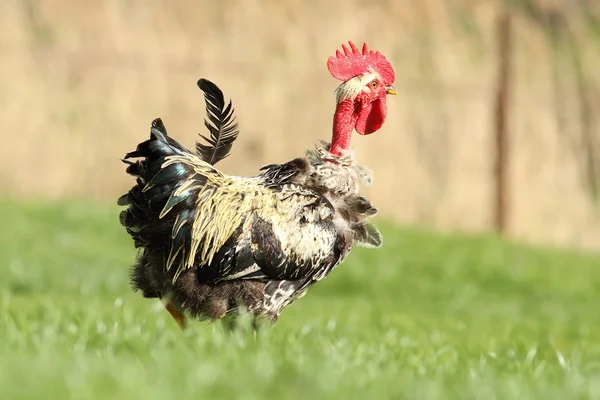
pixel 352 87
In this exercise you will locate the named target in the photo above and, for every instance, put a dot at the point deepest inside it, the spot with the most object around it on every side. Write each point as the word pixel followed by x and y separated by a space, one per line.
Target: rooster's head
pixel 361 99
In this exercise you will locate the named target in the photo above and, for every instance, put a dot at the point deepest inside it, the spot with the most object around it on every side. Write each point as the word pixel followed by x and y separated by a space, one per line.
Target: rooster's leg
pixel 176 314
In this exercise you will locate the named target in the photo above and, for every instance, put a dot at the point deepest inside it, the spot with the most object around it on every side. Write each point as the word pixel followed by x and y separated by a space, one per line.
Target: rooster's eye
pixel 374 84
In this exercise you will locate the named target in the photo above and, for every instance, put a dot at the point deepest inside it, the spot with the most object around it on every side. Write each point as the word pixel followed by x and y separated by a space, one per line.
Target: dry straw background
pixel 81 81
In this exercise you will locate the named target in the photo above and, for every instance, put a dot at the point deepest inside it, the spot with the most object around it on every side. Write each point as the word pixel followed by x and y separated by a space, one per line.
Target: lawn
pixel 425 317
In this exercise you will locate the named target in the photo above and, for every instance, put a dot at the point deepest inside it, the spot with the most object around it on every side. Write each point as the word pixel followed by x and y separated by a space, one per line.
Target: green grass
pixel 425 317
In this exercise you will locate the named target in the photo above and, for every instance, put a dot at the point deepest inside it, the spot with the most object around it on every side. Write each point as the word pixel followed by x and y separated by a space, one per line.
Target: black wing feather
pixel 277 175
pixel 262 258
pixel 221 123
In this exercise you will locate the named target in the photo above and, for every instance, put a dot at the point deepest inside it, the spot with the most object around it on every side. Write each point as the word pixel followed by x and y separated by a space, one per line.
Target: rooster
pixel 213 245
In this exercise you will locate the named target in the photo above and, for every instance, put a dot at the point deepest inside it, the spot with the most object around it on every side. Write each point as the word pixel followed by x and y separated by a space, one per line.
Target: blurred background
pixel 81 81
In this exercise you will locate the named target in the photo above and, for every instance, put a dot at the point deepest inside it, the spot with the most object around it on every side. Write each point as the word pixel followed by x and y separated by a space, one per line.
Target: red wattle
pixel 371 117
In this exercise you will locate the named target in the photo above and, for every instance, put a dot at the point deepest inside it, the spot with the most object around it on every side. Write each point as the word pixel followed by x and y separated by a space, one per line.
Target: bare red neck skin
pixel 344 121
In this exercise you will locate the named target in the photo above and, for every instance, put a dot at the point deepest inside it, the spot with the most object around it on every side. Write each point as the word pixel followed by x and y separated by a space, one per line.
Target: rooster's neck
pixel 344 120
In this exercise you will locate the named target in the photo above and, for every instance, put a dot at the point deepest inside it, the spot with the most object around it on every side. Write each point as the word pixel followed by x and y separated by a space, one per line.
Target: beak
pixel 391 90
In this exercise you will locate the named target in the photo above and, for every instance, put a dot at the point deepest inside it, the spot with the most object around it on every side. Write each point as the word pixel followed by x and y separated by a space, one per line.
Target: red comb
pixel 351 63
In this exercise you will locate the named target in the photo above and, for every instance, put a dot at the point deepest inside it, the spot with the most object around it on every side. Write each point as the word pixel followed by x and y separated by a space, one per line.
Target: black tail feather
pixel 221 123
pixel 161 206
pixel 155 188
pixel 159 215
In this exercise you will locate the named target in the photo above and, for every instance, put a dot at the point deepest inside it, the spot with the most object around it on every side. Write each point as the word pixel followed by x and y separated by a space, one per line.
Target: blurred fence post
pixel 500 120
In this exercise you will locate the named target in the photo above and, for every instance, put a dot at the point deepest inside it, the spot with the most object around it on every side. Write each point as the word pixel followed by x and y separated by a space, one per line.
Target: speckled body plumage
pixel 259 242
